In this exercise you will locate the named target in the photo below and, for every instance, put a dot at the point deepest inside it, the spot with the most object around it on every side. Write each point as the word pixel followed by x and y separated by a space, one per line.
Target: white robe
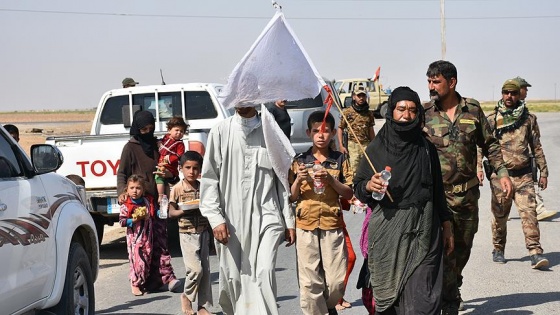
pixel 239 187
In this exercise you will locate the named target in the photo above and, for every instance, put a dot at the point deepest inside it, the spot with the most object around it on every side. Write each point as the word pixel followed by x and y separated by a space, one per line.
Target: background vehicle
pixel 48 243
pixel 95 157
pixel 376 96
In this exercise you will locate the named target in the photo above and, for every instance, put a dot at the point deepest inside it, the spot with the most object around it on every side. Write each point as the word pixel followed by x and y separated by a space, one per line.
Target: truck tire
pixel 78 296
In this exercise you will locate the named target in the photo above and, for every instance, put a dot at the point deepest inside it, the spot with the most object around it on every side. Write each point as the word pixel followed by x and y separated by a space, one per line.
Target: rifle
pixel 488 169
pixel 534 168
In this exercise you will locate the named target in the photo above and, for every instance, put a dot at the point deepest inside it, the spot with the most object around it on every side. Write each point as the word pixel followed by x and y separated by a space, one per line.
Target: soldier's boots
pixel 498 256
pixel 538 261
pixel 545 214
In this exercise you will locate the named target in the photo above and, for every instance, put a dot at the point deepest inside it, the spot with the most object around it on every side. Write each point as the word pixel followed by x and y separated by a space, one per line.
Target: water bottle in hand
pixel 318 186
pixel 385 176
pixel 163 206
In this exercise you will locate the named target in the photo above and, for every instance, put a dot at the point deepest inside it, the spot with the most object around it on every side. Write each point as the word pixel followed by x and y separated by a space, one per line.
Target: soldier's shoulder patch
pixel 472 101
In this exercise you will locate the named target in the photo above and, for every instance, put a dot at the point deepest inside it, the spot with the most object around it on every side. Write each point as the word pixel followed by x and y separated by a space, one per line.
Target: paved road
pixel 512 288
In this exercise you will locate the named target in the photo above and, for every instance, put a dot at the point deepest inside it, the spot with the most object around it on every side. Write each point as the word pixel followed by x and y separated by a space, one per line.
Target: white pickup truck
pixel 48 244
pixel 95 157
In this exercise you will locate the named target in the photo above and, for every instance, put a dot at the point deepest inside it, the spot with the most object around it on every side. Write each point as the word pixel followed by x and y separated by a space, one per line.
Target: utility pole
pixel 555 92
pixel 442 22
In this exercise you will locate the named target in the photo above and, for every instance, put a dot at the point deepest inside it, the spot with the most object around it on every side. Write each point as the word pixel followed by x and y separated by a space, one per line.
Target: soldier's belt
pixel 461 188
pixel 520 172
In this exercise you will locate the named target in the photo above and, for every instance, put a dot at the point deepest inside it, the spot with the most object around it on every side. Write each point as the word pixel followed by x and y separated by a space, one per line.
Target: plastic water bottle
pixel 318 186
pixel 163 206
pixel 385 176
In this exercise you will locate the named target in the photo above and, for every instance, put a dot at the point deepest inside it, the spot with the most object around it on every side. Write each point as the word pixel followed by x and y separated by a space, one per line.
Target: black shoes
pixel 498 257
pixel 538 261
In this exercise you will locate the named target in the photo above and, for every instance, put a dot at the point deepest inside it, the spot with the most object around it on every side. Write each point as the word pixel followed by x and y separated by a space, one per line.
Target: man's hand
pixel 122 198
pixel 221 233
pixel 448 239
pixel 543 183
pixel 480 176
pixel 343 150
pixel 290 237
pixel 506 186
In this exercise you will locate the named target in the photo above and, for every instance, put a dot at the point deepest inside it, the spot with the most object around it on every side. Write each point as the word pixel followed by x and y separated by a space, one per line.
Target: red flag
pixel 329 101
pixel 376 74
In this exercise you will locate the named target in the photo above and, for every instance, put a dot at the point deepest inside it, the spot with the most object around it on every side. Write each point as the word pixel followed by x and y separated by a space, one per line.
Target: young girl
pixel 138 215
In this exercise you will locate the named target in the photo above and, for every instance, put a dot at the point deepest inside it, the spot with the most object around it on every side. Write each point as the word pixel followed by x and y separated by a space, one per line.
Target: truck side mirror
pixel 46 158
pixel 127 115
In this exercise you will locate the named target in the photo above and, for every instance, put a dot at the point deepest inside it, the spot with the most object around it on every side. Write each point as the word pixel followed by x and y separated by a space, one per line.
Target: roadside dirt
pixel 34 127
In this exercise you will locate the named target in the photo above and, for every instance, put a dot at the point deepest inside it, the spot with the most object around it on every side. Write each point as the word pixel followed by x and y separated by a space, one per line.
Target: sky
pixel 65 54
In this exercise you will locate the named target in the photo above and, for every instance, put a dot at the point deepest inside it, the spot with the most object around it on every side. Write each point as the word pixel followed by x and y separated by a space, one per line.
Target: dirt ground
pixel 34 127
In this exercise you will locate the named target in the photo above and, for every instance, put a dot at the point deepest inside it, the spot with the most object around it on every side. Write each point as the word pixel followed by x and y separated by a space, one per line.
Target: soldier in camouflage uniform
pixel 362 121
pixel 456 125
pixel 518 133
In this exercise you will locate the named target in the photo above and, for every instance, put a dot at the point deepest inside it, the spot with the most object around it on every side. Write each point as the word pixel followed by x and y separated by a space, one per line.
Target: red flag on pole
pixel 376 76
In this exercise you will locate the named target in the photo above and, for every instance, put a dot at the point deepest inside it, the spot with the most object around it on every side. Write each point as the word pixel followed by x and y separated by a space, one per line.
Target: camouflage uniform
pixel 361 125
pixel 456 142
pixel 517 146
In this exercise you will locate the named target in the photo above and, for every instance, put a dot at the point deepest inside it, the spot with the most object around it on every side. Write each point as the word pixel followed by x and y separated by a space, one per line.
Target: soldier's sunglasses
pixel 514 93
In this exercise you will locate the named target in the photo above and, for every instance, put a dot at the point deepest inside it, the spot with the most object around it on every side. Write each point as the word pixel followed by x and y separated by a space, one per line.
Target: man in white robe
pixel 248 209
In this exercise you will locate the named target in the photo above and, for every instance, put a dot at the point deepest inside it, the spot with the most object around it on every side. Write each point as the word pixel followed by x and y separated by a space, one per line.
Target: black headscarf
pixel 402 146
pixel 147 140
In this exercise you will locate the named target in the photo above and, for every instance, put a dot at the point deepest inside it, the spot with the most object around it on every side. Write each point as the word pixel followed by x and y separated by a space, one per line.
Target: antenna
pixel 161 74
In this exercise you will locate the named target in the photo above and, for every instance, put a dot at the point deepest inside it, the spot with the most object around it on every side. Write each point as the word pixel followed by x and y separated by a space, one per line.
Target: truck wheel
pixel 78 295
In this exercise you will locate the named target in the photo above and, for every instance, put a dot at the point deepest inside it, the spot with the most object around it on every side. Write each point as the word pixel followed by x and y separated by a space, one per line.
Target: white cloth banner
pixel 276 67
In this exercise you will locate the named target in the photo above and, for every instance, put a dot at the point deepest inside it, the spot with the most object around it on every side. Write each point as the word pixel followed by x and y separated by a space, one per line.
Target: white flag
pixel 276 67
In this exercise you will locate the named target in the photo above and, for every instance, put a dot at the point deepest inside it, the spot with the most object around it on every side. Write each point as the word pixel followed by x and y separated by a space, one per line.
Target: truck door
pixel 23 233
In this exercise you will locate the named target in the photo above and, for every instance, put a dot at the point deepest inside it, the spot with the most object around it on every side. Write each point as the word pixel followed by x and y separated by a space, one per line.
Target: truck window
pixel 199 105
pixel 9 166
pixel 147 101
pixel 112 110
pixel 169 105
pixel 306 103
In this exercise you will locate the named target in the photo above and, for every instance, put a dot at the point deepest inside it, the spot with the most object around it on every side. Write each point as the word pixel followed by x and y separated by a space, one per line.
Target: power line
pixel 267 17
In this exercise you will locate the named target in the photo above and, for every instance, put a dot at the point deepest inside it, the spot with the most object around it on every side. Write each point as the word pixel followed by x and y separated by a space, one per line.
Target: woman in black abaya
pixel 407 235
